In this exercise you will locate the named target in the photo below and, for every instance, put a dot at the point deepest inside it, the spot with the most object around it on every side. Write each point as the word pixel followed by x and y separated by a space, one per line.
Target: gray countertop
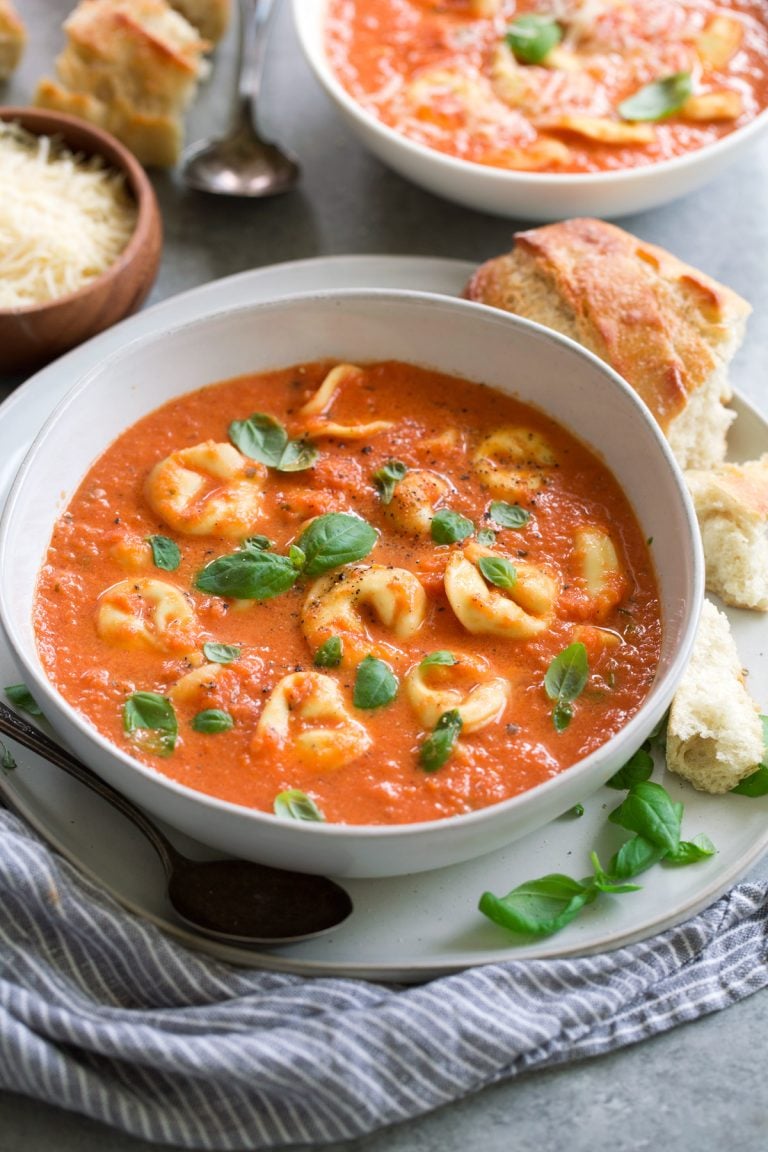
pixel 702 1085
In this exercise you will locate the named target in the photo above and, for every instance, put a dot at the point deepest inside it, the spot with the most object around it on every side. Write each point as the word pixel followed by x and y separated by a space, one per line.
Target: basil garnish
pixel 375 684
pixel 221 653
pixel 498 571
pixel 165 553
pixel 248 575
pixel 335 539
pixel 509 515
pixel 690 851
pixel 21 698
pixel 386 477
pixel 441 657
pixel 212 720
pixel 439 745
pixel 7 762
pixel 330 654
pixel 150 719
pixel 532 38
pixel 257 543
pixel 261 437
pixel 756 784
pixel 638 767
pixel 449 527
pixel 486 537
pixel 539 907
pixel 564 680
pixel 296 805
pixel 659 99
pixel 650 811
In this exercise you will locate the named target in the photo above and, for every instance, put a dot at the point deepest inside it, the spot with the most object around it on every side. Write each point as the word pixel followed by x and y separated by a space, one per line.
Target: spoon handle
pixel 252 43
pixel 11 724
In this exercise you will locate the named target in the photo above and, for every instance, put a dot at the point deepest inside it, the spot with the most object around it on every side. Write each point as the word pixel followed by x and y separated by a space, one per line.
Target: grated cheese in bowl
pixel 64 218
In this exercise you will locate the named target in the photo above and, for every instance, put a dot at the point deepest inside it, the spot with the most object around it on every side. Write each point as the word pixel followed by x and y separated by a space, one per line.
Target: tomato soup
pixel 360 593
pixel 572 86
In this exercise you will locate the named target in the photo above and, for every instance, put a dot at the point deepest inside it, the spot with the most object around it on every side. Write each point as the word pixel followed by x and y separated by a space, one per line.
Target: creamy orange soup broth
pixel 468 77
pixel 543 556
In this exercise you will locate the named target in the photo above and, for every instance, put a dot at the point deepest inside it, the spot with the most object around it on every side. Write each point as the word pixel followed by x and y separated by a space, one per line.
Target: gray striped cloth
pixel 104 1015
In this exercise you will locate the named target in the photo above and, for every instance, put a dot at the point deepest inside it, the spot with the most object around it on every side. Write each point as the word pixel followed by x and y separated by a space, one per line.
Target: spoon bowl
pixel 233 901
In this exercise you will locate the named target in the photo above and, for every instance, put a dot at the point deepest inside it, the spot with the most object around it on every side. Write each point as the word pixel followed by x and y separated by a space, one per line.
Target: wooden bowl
pixel 30 337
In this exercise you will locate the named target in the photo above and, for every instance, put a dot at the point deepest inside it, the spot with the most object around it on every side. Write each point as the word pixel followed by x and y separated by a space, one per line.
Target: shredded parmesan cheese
pixel 64 218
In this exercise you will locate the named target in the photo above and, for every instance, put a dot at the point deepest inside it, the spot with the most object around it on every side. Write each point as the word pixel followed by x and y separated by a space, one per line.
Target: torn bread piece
pixel 210 17
pixel 714 732
pixel 731 504
pixel 667 328
pixel 13 38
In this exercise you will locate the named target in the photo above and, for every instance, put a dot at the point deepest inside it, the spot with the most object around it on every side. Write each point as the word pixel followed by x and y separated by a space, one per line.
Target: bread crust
pixel 13 38
pixel 664 326
pixel 210 17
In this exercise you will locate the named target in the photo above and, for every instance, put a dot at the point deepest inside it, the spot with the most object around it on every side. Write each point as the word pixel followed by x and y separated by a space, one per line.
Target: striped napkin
pixel 103 1014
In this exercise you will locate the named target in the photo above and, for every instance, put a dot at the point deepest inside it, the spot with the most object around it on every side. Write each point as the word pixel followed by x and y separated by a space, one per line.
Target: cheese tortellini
pixel 305 718
pixel 209 489
pixel 415 500
pixel 513 462
pixel 146 614
pixel 598 569
pixel 335 605
pixel 520 613
pixel 466 686
pixel 319 405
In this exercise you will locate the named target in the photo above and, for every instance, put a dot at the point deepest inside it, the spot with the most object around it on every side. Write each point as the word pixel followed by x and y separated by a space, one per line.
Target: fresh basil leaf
pixel 151 721
pixel 539 907
pixel 691 851
pixel 21 698
pixel 296 557
pixel 297 456
pixel 509 515
pixel 257 543
pixel 330 654
pixel 497 570
pixel 221 653
pixel 486 537
pixel 575 813
pixel 635 856
pixel 165 553
pixel 260 437
pixel 212 720
pixel 333 540
pixel 296 805
pixel 755 784
pixel 638 767
pixel 248 575
pixel 659 99
pixel 7 762
pixel 449 527
pixel 608 883
pixel 650 811
pixel 565 680
pixel 375 684
pixel 386 477
pixel 440 657
pixel 562 714
pixel 440 743
pixel 532 38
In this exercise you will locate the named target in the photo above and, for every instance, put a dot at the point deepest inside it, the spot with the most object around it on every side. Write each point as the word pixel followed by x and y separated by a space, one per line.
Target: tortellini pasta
pixel 318 406
pixel 335 603
pixel 193 687
pixel 209 489
pixel 520 613
pixel 146 614
pixel 305 718
pixel 513 462
pixel 466 686
pixel 415 500
pixel 598 569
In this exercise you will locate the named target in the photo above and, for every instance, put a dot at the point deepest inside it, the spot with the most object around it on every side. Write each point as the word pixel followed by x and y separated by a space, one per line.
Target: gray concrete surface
pixel 700 1087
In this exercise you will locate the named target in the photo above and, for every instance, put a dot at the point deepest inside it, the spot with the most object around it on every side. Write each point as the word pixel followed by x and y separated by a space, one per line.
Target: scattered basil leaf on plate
pixel 150 719
pixel 7 762
pixel 565 680
pixel 296 805
pixel 21 698
pixel 330 654
pixel 690 851
pixel 439 745
pixel 756 784
pixel 531 37
pixel 221 653
pixel 212 720
pixel 509 515
pixel 335 539
pixel 248 575
pixel 440 657
pixel 450 527
pixel 539 907
pixel 499 571
pixel 638 767
pixel 659 99
pixel 386 477
pixel 650 811
pixel 375 684
pixel 635 856
pixel 166 553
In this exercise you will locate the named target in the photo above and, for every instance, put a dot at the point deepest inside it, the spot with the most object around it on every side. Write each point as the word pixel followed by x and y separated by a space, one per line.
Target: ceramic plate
pixel 414 927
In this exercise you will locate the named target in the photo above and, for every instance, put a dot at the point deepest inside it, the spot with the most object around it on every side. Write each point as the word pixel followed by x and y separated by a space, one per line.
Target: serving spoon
pixel 243 163
pixel 233 901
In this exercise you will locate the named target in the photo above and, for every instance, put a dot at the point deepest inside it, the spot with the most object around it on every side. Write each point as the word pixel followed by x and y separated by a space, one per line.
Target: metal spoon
pixel 234 901
pixel 243 163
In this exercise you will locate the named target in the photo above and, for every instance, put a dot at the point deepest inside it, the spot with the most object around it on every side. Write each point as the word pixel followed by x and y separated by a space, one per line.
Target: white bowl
pixel 537 196
pixel 453 336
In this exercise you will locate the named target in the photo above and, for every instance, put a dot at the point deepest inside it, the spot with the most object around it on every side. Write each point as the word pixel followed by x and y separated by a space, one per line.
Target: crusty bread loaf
pixel 210 17
pixel 668 329
pixel 714 732
pixel 731 504
pixel 12 39
pixel 131 66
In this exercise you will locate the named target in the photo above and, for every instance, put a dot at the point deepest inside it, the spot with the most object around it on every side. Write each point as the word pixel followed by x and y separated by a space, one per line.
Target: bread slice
pixel 132 67
pixel 731 504
pixel 714 732
pixel 210 17
pixel 13 38
pixel 667 328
